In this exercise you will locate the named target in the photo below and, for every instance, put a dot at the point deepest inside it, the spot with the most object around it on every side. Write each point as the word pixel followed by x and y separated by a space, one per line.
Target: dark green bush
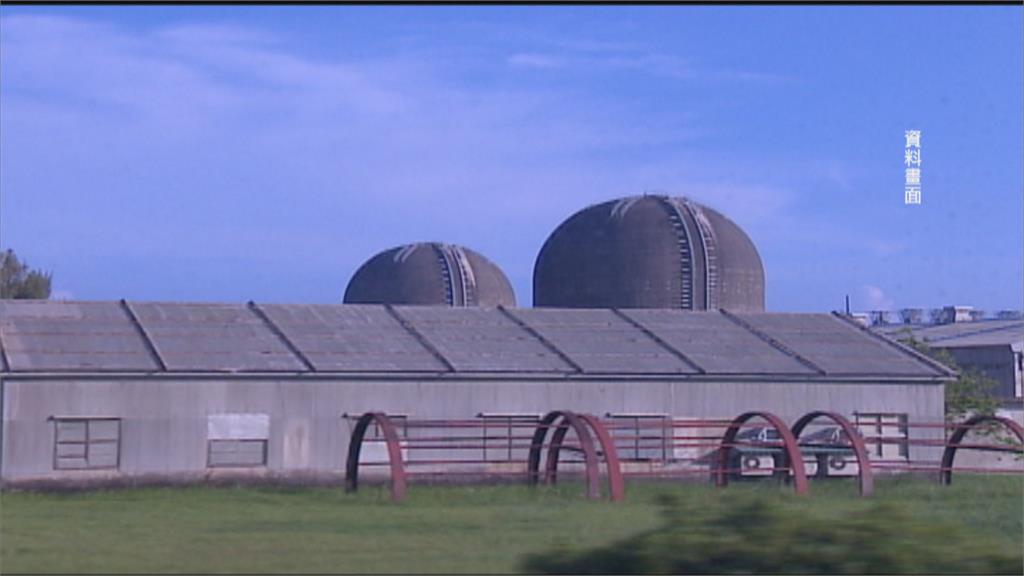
pixel 754 535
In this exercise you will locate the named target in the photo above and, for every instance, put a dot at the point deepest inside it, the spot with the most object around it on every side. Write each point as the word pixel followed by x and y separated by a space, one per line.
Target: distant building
pixel 879 317
pixel 911 315
pixel 993 347
pixel 952 314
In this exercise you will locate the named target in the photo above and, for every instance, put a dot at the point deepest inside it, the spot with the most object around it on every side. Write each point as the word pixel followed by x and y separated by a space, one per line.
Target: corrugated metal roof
pixel 481 340
pixel 89 336
pixel 599 341
pixel 978 333
pixel 213 337
pixel 351 338
pixel 717 344
pixel 179 337
pixel 833 345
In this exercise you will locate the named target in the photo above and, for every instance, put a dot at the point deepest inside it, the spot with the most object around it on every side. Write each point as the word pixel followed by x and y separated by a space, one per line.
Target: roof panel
pixel 214 337
pixel 352 338
pixel 1013 338
pixel 993 332
pixel 715 343
pixel 67 336
pixel 101 336
pixel 837 347
pixel 599 341
pixel 67 361
pixel 481 340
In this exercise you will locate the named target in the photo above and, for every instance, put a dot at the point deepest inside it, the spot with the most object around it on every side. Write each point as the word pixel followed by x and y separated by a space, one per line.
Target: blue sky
pixel 235 153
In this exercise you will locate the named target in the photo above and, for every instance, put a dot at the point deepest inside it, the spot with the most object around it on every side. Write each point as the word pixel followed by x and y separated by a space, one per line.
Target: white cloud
pixel 634 58
pixel 58 294
pixel 876 299
pixel 532 60
pixel 885 248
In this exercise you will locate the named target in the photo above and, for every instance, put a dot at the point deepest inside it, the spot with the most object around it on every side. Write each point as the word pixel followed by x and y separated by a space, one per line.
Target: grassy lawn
pixel 438 529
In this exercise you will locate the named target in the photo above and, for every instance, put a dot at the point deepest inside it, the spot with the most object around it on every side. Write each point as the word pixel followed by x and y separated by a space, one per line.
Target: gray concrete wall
pixel 164 426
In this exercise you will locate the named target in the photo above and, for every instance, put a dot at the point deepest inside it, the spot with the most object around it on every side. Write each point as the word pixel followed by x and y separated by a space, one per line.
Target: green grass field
pixel 438 529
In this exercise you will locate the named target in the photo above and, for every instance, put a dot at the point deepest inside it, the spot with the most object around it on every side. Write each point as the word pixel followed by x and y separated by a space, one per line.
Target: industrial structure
pixel 98 390
pixel 649 252
pixel 430 273
pixel 649 313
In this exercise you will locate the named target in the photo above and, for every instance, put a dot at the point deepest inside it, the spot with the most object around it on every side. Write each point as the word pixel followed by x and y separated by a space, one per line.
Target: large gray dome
pixel 649 252
pixel 430 273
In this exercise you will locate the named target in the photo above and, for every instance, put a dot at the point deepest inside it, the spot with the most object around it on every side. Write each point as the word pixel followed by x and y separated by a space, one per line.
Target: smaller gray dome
pixel 430 273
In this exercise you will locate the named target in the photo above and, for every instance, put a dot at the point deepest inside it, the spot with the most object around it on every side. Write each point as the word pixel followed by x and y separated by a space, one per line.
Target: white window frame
pixel 241 429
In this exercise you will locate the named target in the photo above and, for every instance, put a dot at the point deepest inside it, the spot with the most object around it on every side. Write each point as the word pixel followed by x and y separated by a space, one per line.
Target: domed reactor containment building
pixel 430 273
pixel 649 252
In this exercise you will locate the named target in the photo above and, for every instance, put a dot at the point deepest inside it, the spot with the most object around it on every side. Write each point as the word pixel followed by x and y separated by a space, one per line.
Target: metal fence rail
pixel 614 449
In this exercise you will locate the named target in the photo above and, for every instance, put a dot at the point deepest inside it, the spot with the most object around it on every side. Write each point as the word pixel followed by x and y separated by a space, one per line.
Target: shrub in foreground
pixel 757 536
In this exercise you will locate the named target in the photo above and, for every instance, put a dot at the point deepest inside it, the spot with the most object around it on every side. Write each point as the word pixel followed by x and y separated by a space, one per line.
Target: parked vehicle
pixel 758 452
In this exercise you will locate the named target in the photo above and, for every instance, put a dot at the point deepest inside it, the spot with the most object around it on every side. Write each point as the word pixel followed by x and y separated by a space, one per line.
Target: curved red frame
pixel 946 471
pixel 582 425
pixel 616 483
pixel 398 480
pixel 866 476
pixel 593 475
pixel 565 420
pixel 793 458
pixel 540 434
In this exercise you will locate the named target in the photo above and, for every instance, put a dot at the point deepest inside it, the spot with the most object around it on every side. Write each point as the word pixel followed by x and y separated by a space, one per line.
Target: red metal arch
pixel 537 444
pixel 565 420
pixel 866 476
pixel 554 451
pixel 398 481
pixel 616 484
pixel 791 456
pixel 946 471
pixel 590 464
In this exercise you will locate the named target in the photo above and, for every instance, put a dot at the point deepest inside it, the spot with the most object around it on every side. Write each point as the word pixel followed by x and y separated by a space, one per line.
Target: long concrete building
pixel 92 391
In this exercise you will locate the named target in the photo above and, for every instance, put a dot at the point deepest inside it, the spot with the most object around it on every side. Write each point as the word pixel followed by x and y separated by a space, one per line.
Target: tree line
pixel 18 281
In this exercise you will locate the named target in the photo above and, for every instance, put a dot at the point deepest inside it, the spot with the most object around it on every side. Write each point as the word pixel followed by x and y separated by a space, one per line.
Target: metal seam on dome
pixel 468 279
pixel 622 206
pixel 706 233
pixel 446 274
pixel 685 254
pixel 404 252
